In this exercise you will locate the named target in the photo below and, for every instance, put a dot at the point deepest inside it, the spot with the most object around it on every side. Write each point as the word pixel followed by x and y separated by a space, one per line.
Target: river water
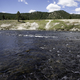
pixel 39 55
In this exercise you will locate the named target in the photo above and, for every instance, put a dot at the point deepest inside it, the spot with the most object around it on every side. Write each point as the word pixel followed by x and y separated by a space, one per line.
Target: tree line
pixel 39 15
pixel 24 16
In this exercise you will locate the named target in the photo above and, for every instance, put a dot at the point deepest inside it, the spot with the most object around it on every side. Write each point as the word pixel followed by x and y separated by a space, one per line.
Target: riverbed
pixel 39 55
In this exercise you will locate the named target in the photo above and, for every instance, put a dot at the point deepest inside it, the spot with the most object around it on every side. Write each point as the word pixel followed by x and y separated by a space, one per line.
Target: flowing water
pixel 39 55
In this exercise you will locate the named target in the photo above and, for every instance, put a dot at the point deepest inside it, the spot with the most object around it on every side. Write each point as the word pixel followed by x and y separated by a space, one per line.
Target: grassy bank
pixel 56 25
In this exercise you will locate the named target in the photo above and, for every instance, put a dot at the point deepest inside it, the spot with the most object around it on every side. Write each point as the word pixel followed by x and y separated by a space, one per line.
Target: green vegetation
pixel 3 17
pixel 59 15
pixel 8 22
pixel 42 24
pixel 56 25
pixel 8 16
pixel 18 15
pixel 63 26
pixel 40 15
pixel 75 16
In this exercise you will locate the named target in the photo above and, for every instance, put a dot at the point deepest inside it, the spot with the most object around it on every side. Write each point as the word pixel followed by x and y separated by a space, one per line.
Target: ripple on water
pixel 38 36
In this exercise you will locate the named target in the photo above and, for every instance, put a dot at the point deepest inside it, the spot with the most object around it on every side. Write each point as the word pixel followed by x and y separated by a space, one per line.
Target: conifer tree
pixel 18 16
pixel 3 17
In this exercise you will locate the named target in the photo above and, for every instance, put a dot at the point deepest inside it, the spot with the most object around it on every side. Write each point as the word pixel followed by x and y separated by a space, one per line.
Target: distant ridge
pixel 61 14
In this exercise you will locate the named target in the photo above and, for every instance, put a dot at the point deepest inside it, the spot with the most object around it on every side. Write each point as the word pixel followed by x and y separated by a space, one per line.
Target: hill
pixel 59 15
pixel 35 15
pixel 41 15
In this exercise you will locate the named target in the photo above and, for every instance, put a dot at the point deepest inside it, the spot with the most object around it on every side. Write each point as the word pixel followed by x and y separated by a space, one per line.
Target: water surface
pixel 39 55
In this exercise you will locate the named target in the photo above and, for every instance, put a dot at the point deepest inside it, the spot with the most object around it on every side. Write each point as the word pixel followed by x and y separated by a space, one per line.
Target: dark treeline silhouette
pixel 39 15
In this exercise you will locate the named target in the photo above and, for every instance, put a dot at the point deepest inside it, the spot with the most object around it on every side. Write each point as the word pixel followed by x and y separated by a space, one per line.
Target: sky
pixel 28 6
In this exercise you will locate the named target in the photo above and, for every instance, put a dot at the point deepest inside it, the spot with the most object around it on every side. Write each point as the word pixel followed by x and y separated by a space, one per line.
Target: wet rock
pixel 27 50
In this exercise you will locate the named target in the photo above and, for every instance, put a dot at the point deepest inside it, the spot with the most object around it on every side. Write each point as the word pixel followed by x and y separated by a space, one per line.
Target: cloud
pixel 71 13
pixel 22 1
pixel 77 10
pixel 3 12
pixel 32 11
pixel 69 3
pixel 53 7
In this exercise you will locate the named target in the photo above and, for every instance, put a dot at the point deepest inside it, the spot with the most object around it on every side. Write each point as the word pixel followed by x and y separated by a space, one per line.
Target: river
pixel 39 55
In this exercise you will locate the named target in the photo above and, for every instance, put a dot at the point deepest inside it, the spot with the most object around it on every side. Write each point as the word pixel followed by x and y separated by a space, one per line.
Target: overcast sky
pixel 28 6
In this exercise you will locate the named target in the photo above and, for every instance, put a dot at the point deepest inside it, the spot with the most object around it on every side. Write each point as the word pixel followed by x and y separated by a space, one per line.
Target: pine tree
pixel 18 16
pixel 3 17
pixel 70 17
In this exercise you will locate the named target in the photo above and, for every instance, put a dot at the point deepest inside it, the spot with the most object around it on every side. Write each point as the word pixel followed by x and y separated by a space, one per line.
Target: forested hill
pixel 41 15
pixel 59 15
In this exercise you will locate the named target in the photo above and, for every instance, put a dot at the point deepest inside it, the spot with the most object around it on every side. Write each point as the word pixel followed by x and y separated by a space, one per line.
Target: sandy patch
pixel 75 29
pixel 55 24
pixel 22 26
pixel 47 25
pixel 5 25
pixel 70 20
pixel 26 26
pixel 34 26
